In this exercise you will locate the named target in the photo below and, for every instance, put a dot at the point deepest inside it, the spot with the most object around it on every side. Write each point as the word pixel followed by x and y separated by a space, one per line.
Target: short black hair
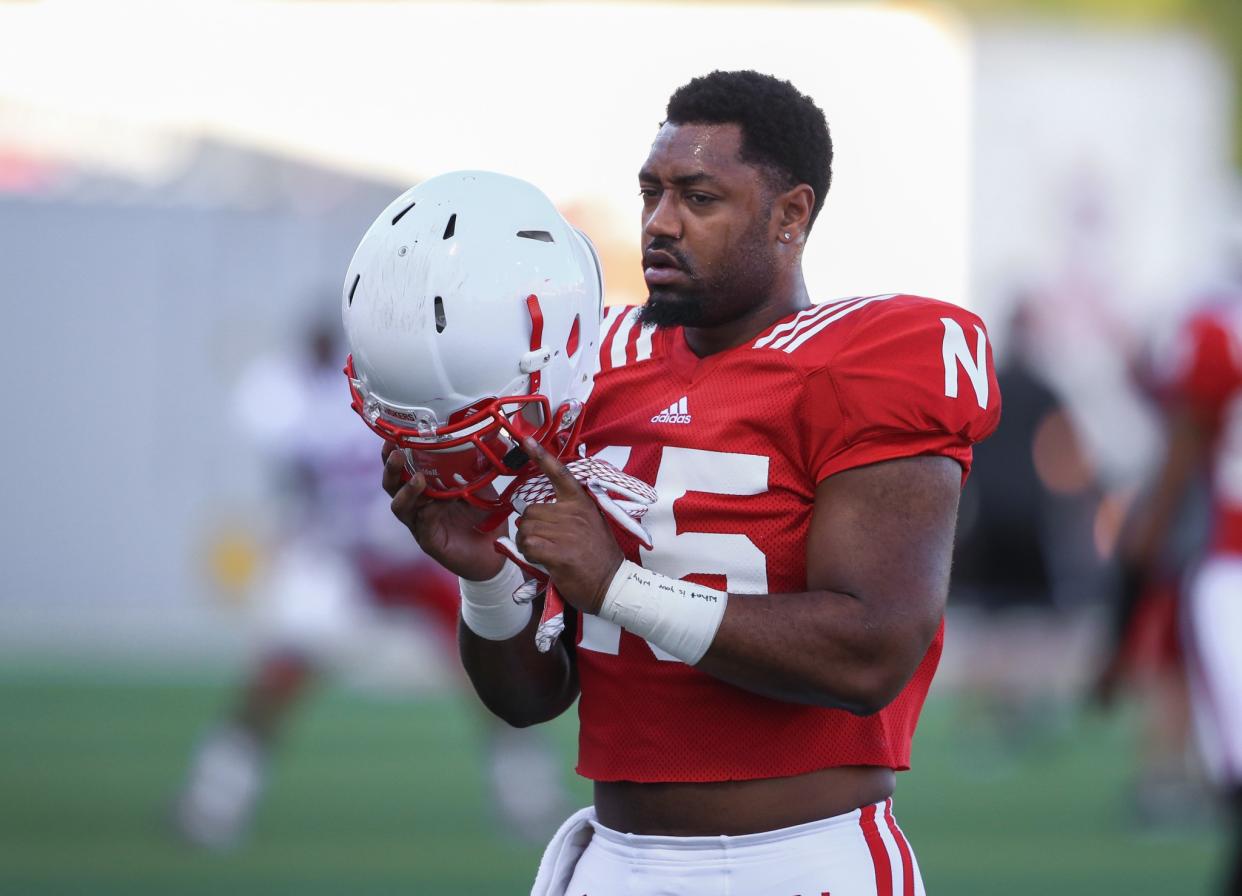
pixel 783 130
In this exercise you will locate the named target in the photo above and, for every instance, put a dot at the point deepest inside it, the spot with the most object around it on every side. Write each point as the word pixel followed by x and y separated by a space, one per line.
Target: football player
pixel 749 678
pixel 1204 421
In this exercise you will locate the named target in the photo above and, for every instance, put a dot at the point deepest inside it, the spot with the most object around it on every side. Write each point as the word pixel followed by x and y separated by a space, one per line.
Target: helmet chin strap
pixel 560 418
pixel 538 358
pixel 532 364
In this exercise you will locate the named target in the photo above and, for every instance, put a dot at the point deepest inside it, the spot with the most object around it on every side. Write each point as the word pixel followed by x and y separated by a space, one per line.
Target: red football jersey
pixel 1206 374
pixel 735 445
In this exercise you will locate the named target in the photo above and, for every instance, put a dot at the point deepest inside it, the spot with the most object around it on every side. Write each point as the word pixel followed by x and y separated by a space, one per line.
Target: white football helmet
pixel 472 313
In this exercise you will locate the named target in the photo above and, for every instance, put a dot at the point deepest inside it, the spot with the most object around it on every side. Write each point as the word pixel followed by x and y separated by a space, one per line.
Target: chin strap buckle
pixel 532 362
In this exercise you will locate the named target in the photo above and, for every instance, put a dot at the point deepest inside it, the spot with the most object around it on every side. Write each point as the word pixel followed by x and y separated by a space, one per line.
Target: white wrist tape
pixel 488 608
pixel 680 618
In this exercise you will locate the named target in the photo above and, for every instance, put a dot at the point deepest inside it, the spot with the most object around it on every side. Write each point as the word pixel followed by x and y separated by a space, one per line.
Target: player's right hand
pixel 445 530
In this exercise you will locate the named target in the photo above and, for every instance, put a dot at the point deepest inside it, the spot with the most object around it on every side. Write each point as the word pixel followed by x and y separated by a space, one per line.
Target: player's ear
pixel 793 213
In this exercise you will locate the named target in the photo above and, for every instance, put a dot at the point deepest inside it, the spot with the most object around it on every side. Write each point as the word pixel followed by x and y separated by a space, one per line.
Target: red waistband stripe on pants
pixel 890 853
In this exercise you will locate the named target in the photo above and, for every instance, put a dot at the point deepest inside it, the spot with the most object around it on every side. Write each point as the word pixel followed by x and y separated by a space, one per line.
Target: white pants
pixel 1212 630
pixel 860 853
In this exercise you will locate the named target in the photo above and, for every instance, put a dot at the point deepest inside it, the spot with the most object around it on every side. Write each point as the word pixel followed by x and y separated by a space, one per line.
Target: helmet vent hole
pixel 401 214
pixel 542 235
pixel 353 289
pixel 451 228
pixel 440 321
pixel 571 347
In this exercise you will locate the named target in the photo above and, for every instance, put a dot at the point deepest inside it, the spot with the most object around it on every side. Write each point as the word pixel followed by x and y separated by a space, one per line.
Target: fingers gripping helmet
pixel 472 313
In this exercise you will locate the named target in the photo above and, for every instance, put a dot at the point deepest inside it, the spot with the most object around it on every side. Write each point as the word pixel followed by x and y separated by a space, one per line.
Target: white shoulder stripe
pixel 804 325
pixel 622 339
pixel 611 313
pixel 792 345
pixel 800 318
pixel 644 343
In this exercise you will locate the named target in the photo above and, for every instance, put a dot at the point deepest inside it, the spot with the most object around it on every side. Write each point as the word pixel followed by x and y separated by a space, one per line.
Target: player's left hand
pixel 569 537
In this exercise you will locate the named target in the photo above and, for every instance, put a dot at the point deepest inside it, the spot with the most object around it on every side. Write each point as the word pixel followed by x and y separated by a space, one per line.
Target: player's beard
pixel 717 295
pixel 667 307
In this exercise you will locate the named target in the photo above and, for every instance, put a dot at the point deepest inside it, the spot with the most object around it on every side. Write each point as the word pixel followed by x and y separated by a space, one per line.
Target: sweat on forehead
pixel 694 151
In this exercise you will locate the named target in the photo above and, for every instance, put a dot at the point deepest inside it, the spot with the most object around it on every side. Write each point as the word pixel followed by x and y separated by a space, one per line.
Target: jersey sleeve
pixel 912 377
pixel 1202 371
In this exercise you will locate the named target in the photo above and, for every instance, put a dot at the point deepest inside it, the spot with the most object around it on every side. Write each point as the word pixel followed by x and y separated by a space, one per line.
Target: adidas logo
pixel 677 412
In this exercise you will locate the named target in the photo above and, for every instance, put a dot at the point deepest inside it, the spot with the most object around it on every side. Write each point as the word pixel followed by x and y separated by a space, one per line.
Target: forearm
pixel 496 635
pixel 824 648
pixel 878 556
pixel 821 648
pixel 516 682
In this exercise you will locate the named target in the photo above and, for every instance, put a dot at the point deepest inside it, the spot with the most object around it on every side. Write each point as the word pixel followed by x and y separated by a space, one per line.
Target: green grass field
pixel 383 796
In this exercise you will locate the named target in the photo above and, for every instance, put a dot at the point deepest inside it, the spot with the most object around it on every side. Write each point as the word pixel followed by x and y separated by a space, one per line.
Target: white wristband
pixel 679 617
pixel 488 608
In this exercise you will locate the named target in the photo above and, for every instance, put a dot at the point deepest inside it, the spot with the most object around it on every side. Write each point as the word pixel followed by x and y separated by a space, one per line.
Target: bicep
pixel 883 534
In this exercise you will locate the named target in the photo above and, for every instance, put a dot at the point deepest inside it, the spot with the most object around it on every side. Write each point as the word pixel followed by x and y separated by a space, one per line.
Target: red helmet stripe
pixel 536 336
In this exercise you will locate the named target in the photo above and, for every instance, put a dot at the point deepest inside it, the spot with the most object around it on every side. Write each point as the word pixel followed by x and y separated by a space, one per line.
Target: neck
pixel 781 302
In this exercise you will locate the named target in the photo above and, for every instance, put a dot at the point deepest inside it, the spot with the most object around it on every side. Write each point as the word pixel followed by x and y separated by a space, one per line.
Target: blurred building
pixel 133 306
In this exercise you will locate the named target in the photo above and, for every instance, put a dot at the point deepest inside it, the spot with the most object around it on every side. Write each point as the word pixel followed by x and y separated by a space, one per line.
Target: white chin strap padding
pixel 536 360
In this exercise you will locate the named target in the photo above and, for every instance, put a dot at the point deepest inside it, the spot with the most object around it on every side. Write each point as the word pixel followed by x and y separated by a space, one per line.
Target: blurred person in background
pixel 1023 557
pixel 342 578
pixel 1141 654
pixel 1203 413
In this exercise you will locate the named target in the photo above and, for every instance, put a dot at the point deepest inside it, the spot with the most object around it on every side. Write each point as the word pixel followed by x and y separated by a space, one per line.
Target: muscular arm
pixel 514 680
pixel 878 558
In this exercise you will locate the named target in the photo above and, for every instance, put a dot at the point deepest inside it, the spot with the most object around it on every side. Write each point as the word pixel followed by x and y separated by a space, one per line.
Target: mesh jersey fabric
pixel 735 445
